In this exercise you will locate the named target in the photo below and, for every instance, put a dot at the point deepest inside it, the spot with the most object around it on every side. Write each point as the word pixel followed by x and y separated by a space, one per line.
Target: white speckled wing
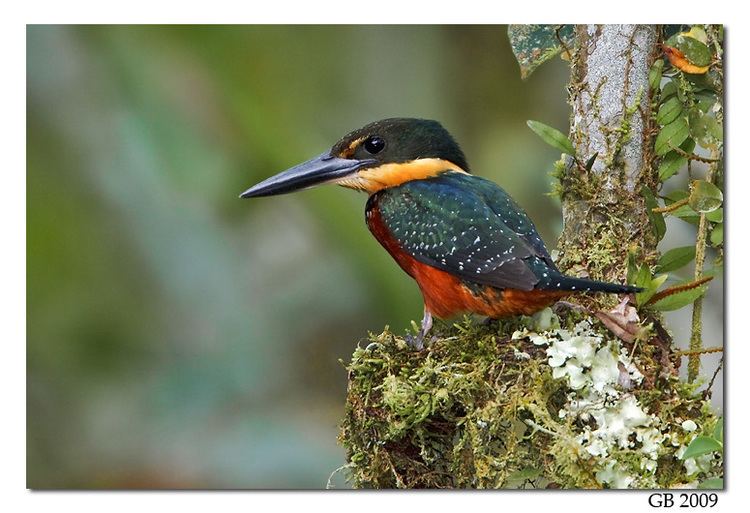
pixel 443 223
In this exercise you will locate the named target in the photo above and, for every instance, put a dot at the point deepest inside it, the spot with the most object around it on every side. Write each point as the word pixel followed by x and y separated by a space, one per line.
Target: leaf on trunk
pixel 669 111
pixel 719 430
pixel 648 283
pixel 688 52
pixel 681 287
pixel 552 136
pixel 685 212
pixel 713 483
pixel 701 445
pixel 705 128
pixel 655 73
pixel 590 161
pixel 671 136
pixel 674 298
pixel 717 235
pixel 704 196
pixel 672 162
pixel 692 45
pixel 656 218
pixel 524 474
pixel 675 258
pixel 535 44
pixel 680 61
pixel 669 89
pixel 716 216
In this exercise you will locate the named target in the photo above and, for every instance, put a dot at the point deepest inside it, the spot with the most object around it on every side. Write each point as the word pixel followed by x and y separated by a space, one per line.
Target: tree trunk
pixel 604 212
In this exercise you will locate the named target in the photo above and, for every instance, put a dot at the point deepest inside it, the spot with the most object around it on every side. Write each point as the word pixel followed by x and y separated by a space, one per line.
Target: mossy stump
pixel 522 404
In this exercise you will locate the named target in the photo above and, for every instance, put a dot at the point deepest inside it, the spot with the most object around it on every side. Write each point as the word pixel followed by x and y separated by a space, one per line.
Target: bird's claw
pixel 416 342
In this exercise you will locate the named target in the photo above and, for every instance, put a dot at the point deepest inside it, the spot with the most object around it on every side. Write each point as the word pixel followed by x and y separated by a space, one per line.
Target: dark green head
pixel 382 154
pixel 397 140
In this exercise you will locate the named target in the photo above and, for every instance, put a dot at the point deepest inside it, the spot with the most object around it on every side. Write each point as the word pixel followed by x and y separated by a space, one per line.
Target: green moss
pixel 621 134
pixel 480 408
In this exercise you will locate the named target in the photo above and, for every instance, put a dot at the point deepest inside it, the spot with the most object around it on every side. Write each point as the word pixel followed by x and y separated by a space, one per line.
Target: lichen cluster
pixel 520 404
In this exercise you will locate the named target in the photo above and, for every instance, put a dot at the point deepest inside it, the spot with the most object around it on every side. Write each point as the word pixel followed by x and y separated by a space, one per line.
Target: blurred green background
pixel 179 336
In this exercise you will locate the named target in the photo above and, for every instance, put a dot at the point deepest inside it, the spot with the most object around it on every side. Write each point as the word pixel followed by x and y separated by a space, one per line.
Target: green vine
pixel 689 112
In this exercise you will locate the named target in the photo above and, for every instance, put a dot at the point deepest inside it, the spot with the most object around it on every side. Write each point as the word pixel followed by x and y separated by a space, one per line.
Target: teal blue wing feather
pixel 509 212
pixel 462 227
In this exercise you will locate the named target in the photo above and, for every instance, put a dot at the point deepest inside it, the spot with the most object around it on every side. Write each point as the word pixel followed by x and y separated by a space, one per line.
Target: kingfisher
pixel 462 238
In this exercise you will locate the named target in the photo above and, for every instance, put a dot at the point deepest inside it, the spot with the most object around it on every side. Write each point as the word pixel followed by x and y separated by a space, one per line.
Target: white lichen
pixel 599 372
pixel 689 425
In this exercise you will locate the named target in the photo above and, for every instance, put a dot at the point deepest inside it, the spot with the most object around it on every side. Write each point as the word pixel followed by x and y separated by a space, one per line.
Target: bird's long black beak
pixel 323 168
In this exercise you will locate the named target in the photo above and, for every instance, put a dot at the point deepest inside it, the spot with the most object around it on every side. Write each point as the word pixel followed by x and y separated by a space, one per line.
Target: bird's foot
pixel 417 341
pixel 560 306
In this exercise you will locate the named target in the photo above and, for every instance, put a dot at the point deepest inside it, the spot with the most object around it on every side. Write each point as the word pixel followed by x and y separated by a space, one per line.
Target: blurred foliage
pixel 179 336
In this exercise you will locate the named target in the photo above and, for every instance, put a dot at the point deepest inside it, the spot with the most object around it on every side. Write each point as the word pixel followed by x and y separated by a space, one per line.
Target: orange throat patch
pixel 375 179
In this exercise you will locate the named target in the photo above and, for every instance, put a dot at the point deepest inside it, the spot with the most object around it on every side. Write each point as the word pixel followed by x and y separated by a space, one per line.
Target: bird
pixel 469 246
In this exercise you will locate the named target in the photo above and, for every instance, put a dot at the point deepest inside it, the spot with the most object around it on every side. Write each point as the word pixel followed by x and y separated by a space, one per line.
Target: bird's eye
pixel 374 144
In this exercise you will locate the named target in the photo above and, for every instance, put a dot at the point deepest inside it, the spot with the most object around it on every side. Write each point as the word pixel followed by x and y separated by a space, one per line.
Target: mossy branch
pixel 696 332
pixel 521 403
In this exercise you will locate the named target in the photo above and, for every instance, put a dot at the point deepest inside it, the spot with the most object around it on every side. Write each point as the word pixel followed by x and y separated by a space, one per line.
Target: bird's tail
pixel 562 282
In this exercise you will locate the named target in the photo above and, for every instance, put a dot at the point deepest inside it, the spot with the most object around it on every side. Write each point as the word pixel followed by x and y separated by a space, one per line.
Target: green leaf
pixel 590 161
pixel 717 235
pixel 669 89
pixel 719 430
pixel 704 196
pixel 695 51
pixel 656 218
pixel 654 74
pixel 713 483
pixel 716 216
pixel 705 128
pixel 658 281
pixel 535 44
pixel 688 146
pixel 552 136
pixel 669 111
pixel 671 164
pixel 643 280
pixel 684 212
pixel 673 30
pixel 706 100
pixel 648 284
pixel 716 270
pixel 687 214
pixel 675 195
pixel 632 268
pixel 701 445
pixel 671 136
pixel 697 32
pixel 643 277
pixel 680 299
pixel 675 258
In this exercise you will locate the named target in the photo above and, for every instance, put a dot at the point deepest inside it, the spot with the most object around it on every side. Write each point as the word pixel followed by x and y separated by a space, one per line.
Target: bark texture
pixel 604 212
